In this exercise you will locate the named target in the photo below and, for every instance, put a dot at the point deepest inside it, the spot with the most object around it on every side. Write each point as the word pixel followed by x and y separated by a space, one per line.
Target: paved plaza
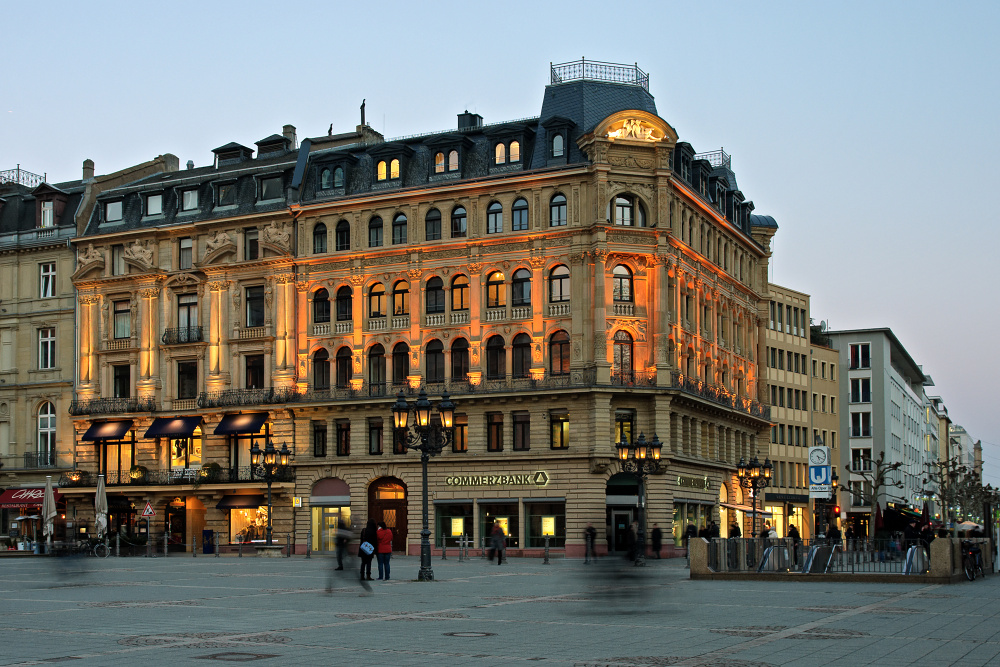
pixel 178 610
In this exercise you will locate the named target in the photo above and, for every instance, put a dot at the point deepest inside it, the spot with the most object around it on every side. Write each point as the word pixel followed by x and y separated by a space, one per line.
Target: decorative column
pixel 217 376
pixel 475 322
pixel 600 326
pixel 538 300
pixel 302 341
pixel 89 341
pixel 148 370
pixel 284 331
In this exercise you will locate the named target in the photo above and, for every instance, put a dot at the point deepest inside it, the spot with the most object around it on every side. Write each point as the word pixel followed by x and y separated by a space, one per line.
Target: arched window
pixel 375 233
pixel 338 177
pixel 381 170
pixel 394 169
pixel 496 293
pixel 515 151
pixel 376 370
pixel 460 293
pixel 345 368
pixel 622 286
pixel 501 154
pixel 376 300
pixel 494 218
pixel 557 146
pixel 439 163
pixel 343 235
pixel 321 369
pixel 321 306
pixel 459 360
pixel 559 353
pixel 432 225
pixel 521 355
pixel 401 298
pixel 434 354
pixel 453 161
pixel 399 229
pixel 623 356
pixel 400 363
pixel 46 434
pixel 434 296
pixel 557 211
pixel 345 299
pixel 559 284
pixel 319 239
pixel 459 226
pixel 628 212
pixel 519 216
pixel 325 179
pixel 496 359
pixel 521 288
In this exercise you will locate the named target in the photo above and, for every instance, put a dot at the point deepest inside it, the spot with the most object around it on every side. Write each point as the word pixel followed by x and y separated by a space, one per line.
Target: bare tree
pixel 877 475
pixel 947 476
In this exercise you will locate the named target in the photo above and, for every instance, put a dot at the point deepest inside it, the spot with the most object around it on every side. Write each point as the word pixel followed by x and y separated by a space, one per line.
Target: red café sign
pixel 12 498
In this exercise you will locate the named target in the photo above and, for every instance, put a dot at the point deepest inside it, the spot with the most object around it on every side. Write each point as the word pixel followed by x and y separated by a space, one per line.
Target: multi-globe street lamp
pixel 640 460
pixel 429 437
pixel 755 476
pixel 270 465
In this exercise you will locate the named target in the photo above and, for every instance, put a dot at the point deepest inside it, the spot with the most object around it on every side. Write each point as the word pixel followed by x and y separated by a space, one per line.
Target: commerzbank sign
pixel 538 478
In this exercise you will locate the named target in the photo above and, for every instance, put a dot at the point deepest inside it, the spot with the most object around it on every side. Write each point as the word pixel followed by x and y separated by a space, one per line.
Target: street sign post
pixel 820 472
pixel 148 511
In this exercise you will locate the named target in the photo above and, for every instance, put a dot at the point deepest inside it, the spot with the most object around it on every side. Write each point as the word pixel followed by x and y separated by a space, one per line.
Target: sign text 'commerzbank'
pixel 539 478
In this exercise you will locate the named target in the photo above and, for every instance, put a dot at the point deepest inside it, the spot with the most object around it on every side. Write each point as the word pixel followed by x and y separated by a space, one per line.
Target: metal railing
pixel 818 556
pixel 182 335
pixel 29 461
pixel 594 70
pixel 19 176
pixel 107 406
pixel 244 397
pixel 719 395
pixel 142 476
pixel 717 158
pixel 633 378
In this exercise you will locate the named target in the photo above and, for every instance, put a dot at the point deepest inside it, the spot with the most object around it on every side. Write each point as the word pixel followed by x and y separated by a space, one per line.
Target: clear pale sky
pixel 867 129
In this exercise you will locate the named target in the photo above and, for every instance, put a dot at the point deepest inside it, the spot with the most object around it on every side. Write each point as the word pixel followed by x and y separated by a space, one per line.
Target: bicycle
pixel 972 561
pixel 102 550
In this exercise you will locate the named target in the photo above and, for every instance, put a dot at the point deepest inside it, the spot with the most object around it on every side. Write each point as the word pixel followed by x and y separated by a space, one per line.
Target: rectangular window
pixel 815 402
pixel 798 400
pixel 187 379
pixel 187 316
pixel 494 431
pixel 185 255
pixel 833 404
pixel 255 306
pixel 398 442
pixel 255 371
pixel 375 437
pixel 270 188
pixel 319 438
pixel 559 429
pixel 47 348
pixel 770 324
pixel 861 424
pixel 860 355
pixel 774 434
pixel 113 211
pixel 773 357
pixel 522 431
pixel 189 200
pixel 780 311
pixel 822 403
pixel 343 437
pixel 624 422
pixel 460 441
pixel 123 319
pixel 781 434
pixel 774 395
pixel 48 215
pixel 788 319
pixel 822 369
pixel 251 248
pixel 227 194
pixel 781 397
pixel 796 362
pixel 861 459
pixel 861 390
pixel 118 260
pixel 814 368
pixel 47 280
pixel 154 205
pixel 519 218
pixel 121 380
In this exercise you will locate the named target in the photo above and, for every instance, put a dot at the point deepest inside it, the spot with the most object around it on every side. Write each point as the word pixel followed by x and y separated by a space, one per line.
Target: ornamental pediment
pixel 635 128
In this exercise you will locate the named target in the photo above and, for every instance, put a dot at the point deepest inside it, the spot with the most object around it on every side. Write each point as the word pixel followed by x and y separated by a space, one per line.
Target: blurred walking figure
pixel 343 540
pixel 497 538
pixel 657 539
pixel 383 550
pixel 589 537
pixel 633 541
pixel 369 538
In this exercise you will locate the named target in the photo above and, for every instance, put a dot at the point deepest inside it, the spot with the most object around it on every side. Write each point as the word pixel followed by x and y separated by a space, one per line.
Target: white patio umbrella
pixel 101 508
pixel 967 525
pixel 48 511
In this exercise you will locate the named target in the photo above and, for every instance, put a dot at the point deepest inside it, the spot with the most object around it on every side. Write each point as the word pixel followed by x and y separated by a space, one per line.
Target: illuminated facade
pixel 571 279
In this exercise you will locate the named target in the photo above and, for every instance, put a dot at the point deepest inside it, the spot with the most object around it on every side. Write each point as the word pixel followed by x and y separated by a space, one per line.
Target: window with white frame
pixel 123 319
pixel 154 204
pixel 47 433
pixel 270 188
pixel 861 355
pixel 48 215
pixel 47 280
pixel 46 348
pixel 189 200
pixel 185 256
pixel 113 211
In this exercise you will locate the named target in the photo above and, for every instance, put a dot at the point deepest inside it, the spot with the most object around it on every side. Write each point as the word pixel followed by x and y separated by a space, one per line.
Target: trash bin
pixel 207 541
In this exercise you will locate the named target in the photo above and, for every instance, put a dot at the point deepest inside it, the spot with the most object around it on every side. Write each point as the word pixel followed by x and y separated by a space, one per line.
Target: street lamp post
pixel 429 439
pixel 269 465
pixel 640 460
pixel 755 476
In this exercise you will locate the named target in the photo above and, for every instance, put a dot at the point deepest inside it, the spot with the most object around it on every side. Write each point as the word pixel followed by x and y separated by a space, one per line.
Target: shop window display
pixel 453 521
pixel 545 518
pixel 248 525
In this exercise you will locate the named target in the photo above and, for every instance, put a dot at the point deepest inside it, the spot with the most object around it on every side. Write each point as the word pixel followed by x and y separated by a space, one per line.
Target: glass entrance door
pixel 621 520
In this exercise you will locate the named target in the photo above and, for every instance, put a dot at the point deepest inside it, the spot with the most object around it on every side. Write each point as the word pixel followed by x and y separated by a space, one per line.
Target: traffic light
pixel 836 509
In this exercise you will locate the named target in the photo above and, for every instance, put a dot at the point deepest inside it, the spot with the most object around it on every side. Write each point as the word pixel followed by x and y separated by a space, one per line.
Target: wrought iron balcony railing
pixel 247 397
pixel 633 378
pixel 182 335
pixel 108 406
pixel 142 476
pixel 719 395
pixel 29 461
pixel 594 70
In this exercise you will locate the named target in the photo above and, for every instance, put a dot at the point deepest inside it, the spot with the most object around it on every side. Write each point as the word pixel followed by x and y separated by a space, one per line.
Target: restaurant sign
pixel 538 478
pixel 693 482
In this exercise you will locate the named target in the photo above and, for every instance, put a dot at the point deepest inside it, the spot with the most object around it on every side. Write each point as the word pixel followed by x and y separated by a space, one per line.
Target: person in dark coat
pixel 713 530
pixel 497 538
pixel 633 541
pixel 911 535
pixel 589 537
pixel 656 537
pixel 734 530
pixel 793 534
pixel 368 536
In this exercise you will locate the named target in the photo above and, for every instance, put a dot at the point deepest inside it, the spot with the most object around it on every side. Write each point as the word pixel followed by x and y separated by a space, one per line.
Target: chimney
pixel 88 169
pixel 288 132
pixel 468 120
pixel 190 164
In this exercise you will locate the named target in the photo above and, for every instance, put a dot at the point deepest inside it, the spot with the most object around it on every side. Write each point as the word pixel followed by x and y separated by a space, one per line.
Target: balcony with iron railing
pixel 595 70
pixel 29 461
pixel 717 158
pixel 720 395
pixel 182 335
pixel 18 176
pixel 142 476
pixel 109 406
pixel 248 397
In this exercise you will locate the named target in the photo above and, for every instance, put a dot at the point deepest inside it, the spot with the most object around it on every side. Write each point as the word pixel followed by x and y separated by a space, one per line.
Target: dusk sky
pixel 861 127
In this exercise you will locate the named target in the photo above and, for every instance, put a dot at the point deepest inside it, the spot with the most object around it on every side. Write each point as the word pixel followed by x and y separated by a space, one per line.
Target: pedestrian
pixel 369 538
pixel 703 532
pixel 713 530
pixel 589 537
pixel 657 539
pixel 383 550
pixel 734 530
pixel 341 541
pixel 793 534
pixel 633 541
pixel 911 535
pixel 497 538
pixel 833 534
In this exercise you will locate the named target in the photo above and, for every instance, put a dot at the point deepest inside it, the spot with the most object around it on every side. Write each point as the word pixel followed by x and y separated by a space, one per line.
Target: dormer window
pixel 113 211
pixel 189 200
pixel 154 205
pixel 227 194
pixel 48 218
pixel 439 163
pixel 331 177
pixel 270 188
pixel 501 154
pixel 453 161
pixel 325 179
pixel 558 146
pixel 515 151
pixel 388 170
pixel 338 177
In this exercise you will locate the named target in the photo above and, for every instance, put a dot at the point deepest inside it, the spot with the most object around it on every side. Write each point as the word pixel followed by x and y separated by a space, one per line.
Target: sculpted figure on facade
pixel 140 252
pixel 218 240
pixel 89 256
pixel 276 235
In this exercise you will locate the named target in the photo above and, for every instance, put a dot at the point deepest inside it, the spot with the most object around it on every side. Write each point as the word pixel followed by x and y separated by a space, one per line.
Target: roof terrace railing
pixel 594 70
pixel 717 158
pixel 21 177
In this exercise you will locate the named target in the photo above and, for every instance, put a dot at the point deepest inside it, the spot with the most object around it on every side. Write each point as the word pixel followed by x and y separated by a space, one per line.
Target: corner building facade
pixel 570 279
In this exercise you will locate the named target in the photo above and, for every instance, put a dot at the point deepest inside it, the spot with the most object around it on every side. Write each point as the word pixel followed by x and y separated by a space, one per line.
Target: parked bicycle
pixel 972 560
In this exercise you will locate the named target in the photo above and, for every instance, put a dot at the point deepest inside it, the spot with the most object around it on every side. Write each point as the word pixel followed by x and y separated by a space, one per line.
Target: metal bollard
pixel 118 545
pixel 194 547
pixel 166 543
pixel 461 544
pixel 216 536
pixel 444 548
pixel 309 543
pixel 241 548
pixel 546 561
pixel 288 545
pixel 484 547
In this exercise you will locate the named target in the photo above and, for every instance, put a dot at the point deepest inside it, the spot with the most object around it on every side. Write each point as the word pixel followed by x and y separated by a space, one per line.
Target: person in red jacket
pixel 383 550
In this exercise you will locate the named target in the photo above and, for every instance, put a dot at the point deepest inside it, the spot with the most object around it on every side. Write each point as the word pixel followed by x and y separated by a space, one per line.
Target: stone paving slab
pixel 277 611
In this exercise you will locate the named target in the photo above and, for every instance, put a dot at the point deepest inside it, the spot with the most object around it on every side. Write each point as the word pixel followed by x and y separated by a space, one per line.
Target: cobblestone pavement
pixel 277 611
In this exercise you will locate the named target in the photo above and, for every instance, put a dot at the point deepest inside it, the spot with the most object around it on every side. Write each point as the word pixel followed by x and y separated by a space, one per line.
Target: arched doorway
pixel 387 502
pixel 330 506
pixel 622 500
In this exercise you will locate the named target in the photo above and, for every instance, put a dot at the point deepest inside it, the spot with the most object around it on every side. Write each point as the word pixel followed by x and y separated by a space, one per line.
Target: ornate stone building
pixel 571 279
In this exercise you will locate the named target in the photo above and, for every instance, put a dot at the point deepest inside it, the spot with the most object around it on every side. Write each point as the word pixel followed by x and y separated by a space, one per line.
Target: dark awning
pixel 24 498
pixel 173 427
pixel 249 422
pixel 109 430
pixel 241 502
